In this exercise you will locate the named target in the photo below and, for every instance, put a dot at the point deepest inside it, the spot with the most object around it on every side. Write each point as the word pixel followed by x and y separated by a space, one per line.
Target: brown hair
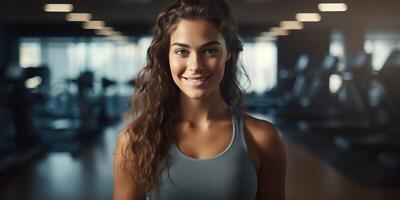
pixel 155 101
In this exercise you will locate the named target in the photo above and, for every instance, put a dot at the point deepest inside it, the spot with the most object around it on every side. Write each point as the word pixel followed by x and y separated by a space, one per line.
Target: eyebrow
pixel 202 46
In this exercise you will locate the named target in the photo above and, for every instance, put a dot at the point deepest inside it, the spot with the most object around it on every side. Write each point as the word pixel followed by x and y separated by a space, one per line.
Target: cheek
pixel 175 65
pixel 218 65
pixel 222 69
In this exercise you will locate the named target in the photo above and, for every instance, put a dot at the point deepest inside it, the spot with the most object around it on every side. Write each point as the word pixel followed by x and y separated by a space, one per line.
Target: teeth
pixel 200 78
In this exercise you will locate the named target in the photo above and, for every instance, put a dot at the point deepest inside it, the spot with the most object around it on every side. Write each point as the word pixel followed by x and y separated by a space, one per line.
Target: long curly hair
pixel 154 103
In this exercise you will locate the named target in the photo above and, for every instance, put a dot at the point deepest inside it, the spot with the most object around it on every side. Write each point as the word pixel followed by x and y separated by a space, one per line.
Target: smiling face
pixel 197 58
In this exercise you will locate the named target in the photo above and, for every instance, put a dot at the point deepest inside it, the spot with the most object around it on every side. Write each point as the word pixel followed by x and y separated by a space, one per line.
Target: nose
pixel 195 62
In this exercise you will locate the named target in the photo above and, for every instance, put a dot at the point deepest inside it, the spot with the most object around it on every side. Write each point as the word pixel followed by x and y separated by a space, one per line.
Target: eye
pixel 182 52
pixel 211 51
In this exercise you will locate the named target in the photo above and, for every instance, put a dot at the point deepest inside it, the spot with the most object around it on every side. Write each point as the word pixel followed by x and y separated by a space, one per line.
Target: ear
pixel 228 56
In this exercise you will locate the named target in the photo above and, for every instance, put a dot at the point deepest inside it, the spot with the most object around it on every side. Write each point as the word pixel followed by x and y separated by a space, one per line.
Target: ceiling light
pixel 291 25
pixel 277 31
pixel 58 7
pixel 103 32
pixel 308 17
pixel 94 25
pixel 276 34
pixel 78 17
pixel 266 34
pixel 272 35
pixel 106 31
pixel 107 28
pixel 332 7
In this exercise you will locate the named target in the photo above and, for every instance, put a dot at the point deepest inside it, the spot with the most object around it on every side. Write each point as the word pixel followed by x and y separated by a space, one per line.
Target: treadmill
pixel 293 81
pixel 311 97
pixel 388 140
pixel 354 103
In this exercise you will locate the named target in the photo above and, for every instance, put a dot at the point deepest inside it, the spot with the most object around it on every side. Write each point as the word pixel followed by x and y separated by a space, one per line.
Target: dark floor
pixel 89 176
pixel 63 176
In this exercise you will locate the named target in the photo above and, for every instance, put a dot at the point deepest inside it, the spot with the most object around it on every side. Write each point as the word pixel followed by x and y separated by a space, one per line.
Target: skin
pixel 197 48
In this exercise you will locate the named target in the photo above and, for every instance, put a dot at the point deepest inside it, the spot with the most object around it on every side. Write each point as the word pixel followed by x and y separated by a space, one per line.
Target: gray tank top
pixel 230 175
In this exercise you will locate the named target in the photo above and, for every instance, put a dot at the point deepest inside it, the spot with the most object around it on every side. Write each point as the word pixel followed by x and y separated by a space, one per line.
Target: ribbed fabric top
pixel 230 175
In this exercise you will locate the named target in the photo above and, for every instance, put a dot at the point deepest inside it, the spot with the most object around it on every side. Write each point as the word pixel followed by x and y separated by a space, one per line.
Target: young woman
pixel 189 138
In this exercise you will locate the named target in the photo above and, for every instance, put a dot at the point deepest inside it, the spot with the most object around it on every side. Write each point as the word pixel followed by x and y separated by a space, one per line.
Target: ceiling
pixel 253 16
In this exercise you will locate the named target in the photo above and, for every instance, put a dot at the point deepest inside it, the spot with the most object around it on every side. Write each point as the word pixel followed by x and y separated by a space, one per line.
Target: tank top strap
pixel 239 127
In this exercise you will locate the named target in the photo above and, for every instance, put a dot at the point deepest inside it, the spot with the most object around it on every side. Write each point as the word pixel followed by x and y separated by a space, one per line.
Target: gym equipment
pixel 108 102
pixel 68 121
pixel 294 81
pixel 352 101
pixel 311 99
pixel 19 141
pixel 388 99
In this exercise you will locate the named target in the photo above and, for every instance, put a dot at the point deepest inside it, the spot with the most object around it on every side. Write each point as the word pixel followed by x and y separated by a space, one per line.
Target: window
pixel 260 63
pixel 68 57
pixel 30 53
pixel 380 45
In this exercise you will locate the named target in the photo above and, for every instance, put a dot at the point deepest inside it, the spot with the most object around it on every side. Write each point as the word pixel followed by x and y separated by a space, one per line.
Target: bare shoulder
pixel 265 135
pixel 124 168
pixel 266 142
pixel 123 140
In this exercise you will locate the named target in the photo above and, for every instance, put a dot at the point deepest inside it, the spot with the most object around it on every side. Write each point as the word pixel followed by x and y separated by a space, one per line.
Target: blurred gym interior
pixel 325 72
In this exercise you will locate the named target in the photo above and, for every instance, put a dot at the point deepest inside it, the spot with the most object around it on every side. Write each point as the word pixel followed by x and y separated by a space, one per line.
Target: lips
pixel 196 80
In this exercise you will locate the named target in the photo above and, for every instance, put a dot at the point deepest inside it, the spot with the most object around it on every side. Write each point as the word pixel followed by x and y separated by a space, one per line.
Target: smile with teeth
pixel 196 81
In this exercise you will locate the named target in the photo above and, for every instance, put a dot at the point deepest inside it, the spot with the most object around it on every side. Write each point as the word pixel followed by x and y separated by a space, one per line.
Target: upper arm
pixel 123 169
pixel 272 155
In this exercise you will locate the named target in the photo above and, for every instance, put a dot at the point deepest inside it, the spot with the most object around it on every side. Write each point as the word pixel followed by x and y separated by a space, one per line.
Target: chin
pixel 195 95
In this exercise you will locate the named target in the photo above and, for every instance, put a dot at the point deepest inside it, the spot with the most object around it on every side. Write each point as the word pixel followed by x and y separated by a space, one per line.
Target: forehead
pixel 195 32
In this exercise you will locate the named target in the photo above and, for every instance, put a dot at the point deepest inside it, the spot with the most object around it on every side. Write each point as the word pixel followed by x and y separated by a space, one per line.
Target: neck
pixel 202 111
